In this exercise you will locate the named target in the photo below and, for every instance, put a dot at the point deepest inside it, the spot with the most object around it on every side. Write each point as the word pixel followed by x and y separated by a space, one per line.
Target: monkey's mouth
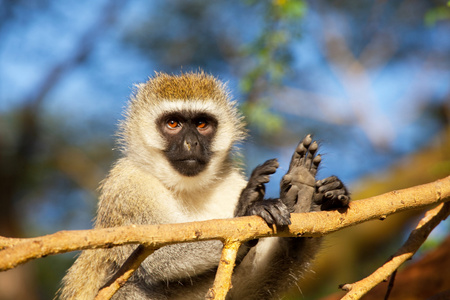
pixel 189 160
pixel 192 162
pixel 189 166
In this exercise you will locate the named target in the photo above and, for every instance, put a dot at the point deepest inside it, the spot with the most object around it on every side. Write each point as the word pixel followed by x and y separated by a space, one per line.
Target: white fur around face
pixel 145 144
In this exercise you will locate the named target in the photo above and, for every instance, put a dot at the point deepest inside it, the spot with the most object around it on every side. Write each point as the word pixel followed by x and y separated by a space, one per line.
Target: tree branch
pixel 416 239
pixel 124 273
pixel 19 251
pixel 222 282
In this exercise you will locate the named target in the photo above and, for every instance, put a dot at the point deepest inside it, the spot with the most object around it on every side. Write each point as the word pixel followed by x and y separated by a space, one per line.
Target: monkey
pixel 178 141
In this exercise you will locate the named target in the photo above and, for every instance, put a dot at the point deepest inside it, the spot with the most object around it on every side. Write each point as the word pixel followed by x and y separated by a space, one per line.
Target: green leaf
pixel 437 14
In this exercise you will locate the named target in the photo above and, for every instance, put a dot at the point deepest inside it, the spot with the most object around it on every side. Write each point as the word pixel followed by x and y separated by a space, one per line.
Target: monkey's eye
pixel 173 124
pixel 202 124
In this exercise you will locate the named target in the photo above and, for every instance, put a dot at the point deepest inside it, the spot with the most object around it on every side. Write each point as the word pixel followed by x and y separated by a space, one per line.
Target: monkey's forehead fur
pixel 187 86
pixel 193 91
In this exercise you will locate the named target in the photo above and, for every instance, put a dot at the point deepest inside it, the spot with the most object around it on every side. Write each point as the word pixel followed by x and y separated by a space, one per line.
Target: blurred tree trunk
pixel 14 169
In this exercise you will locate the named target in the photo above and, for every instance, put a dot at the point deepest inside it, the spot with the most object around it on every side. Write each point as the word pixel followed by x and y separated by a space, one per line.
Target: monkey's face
pixel 189 136
pixel 182 130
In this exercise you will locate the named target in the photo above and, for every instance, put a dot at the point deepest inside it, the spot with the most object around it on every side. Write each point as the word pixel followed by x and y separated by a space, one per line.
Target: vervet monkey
pixel 177 142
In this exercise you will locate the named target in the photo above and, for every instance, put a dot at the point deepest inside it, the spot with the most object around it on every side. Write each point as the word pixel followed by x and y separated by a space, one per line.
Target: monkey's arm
pixel 275 264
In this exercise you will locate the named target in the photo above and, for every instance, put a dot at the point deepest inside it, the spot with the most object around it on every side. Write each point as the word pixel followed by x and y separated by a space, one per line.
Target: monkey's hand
pixel 251 201
pixel 331 193
pixel 273 211
pixel 297 187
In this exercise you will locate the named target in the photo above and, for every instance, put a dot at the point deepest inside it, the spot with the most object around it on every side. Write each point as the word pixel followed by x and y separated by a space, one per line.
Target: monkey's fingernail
pixel 307 140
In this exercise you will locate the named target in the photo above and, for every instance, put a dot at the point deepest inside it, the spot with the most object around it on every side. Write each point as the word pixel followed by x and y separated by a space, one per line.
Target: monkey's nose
pixel 187 145
pixel 191 143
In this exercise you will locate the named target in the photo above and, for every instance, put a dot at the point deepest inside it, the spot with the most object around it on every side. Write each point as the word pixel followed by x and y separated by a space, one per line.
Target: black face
pixel 189 137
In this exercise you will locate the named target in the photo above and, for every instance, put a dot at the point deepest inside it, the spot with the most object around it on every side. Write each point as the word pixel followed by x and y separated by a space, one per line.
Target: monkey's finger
pixel 315 164
pixel 266 216
pixel 285 185
pixel 276 215
pixel 327 180
pixel 283 216
pixel 344 199
pixel 267 168
pixel 285 182
pixel 341 201
pixel 335 193
pixel 271 164
pixel 339 196
pixel 258 180
pixel 290 197
pixel 331 186
pixel 261 190
pixel 300 152
pixel 310 155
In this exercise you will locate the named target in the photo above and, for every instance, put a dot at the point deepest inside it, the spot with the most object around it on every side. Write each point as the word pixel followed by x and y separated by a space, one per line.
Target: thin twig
pixel 390 285
pixel 222 282
pixel 124 273
pixel 409 248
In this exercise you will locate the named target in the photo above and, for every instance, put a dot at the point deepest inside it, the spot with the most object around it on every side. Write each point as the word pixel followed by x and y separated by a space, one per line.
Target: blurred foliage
pixel 271 57
pixel 436 14
pixel 259 115
pixel 270 50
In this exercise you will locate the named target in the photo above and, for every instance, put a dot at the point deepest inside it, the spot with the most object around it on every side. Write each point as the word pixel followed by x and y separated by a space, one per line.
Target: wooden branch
pixel 124 273
pixel 222 282
pixel 236 229
pixel 9 242
pixel 409 248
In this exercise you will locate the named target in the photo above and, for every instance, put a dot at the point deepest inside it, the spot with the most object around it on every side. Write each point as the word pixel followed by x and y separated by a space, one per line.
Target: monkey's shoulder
pixel 129 195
